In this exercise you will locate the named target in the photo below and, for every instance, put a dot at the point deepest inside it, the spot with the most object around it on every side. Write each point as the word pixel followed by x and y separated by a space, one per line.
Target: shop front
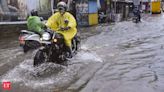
pixel 86 12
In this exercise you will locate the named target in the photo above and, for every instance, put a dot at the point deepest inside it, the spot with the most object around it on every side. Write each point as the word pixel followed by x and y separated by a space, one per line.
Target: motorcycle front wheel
pixel 40 57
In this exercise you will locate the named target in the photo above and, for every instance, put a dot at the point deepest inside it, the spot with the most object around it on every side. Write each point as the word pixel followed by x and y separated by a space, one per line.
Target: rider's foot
pixel 69 54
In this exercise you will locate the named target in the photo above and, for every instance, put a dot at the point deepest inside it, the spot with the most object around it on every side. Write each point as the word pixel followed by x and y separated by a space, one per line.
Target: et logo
pixel 6 85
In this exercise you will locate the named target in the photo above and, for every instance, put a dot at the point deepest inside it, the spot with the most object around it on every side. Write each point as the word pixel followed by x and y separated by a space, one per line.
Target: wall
pixel 18 10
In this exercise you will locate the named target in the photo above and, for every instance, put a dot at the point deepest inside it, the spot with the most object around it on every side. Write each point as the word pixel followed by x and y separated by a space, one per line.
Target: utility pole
pixel 115 10
pixel 115 6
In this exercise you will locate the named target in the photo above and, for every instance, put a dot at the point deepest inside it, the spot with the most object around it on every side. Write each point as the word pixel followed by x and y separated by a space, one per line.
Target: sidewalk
pixel 13 23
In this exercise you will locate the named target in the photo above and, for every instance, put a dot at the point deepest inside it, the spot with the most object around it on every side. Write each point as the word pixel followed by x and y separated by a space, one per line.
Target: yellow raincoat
pixel 56 21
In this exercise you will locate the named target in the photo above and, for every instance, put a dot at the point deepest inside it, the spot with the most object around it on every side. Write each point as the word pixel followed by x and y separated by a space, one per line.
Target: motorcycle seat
pixel 28 32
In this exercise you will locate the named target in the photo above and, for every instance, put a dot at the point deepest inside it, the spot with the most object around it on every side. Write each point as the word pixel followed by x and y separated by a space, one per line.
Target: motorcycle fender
pixel 45 42
pixel 41 48
pixel 28 32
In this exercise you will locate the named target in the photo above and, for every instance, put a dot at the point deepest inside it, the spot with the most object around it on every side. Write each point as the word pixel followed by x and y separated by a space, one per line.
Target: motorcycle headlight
pixel 46 36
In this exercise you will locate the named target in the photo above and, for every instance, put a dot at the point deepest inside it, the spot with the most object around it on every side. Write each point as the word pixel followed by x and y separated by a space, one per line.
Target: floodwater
pixel 125 57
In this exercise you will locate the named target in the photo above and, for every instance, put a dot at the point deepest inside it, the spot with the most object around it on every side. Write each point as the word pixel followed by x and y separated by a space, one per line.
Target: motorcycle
pixel 53 48
pixel 135 18
pixel 29 40
pixel 102 17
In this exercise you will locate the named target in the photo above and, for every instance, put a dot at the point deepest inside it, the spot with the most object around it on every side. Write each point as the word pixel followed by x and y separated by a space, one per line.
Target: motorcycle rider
pixel 136 12
pixel 64 23
pixel 34 23
pixel 136 8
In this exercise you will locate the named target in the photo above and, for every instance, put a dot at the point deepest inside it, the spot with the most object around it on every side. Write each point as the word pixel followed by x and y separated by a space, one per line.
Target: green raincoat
pixel 35 24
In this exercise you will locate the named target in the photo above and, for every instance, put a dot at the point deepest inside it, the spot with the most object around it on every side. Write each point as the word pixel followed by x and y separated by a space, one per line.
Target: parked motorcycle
pixel 53 48
pixel 102 17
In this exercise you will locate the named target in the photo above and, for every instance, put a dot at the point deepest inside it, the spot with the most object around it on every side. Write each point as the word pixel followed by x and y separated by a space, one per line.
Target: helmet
pixel 62 6
pixel 34 13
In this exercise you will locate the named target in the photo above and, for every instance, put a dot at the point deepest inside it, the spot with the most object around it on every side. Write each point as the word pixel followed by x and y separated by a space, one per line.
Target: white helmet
pixel 62 5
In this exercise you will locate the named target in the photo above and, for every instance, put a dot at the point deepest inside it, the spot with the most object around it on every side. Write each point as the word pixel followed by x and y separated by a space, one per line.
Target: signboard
pixel 93 6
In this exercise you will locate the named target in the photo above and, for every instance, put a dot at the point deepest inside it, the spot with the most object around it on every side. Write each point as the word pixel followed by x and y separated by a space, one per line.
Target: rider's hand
pixel 64 28
pixel 41 19
pixel 66 21
pixel 67 28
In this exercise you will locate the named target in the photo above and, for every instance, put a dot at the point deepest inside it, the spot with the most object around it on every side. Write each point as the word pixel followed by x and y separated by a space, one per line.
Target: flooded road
pixel 126 57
